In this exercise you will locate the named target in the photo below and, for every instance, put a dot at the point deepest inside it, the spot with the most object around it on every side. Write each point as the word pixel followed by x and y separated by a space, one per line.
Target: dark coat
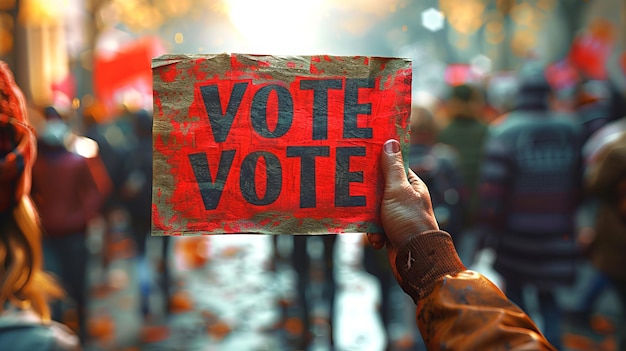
pixel 467 136
pixel 437 165
pixel 65 191
pixel 606 179
pixel 530 191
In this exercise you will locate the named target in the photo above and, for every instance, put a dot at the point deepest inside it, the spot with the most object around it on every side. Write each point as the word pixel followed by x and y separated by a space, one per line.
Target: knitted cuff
pixel 424 259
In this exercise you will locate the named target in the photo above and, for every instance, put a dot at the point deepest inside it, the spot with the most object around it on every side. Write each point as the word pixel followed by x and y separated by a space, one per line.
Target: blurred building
pixel 54 45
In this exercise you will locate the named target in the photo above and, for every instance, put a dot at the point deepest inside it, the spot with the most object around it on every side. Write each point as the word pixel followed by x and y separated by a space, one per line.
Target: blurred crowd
pixel 536 178
pixel 98 179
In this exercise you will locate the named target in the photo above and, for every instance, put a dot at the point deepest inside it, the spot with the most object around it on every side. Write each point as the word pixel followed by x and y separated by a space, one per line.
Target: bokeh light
pixel 433 20
pixel 275 26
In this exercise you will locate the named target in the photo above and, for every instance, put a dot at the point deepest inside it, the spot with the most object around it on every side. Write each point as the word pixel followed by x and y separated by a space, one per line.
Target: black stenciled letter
pixel 211 191
pixel 258 112
pixel 352 108
pixel 343 177
pixel 307 154
pixel 274 176
pixel 320 104
pixel 220 122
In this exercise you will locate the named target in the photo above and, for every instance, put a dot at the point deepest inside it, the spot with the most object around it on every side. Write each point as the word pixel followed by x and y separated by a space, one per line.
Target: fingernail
pixel 392 147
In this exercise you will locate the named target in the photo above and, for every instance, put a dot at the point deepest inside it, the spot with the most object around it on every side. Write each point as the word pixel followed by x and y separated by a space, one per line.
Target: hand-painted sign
pixel 269 144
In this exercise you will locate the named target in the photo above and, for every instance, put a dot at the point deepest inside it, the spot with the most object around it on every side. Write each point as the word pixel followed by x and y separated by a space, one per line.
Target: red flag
pixel 128 67
pixel 592 47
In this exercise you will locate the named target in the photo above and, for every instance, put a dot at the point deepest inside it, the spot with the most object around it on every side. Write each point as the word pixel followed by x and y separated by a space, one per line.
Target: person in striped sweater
pixel 529 192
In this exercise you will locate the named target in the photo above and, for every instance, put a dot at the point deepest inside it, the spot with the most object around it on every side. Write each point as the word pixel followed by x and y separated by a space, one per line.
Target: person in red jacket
pixel 68 193
pixel 457 309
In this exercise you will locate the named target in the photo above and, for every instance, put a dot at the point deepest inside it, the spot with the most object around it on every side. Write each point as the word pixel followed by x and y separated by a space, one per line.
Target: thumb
pixel 392 165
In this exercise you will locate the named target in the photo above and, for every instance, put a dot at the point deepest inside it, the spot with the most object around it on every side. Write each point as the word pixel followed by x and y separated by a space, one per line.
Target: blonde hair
pixel 23 282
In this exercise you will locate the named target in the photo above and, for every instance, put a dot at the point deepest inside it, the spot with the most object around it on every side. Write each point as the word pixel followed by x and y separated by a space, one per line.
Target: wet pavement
pixel 226 293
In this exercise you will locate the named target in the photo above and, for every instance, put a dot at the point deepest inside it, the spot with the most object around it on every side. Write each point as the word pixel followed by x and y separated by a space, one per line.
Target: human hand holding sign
pixel 419 253
pixel 406 209
pixel 457 309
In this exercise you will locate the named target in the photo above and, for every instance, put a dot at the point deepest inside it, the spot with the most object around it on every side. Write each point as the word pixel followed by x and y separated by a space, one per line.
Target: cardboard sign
pixel 273 145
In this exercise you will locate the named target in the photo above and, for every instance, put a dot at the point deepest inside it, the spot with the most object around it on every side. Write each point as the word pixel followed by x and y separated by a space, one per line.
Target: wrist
pixel 424 259
pixel 402 232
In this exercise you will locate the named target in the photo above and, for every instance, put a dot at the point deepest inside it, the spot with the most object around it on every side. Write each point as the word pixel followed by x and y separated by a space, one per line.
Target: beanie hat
pixel 534 88
pixel 17 142
pixel 463 92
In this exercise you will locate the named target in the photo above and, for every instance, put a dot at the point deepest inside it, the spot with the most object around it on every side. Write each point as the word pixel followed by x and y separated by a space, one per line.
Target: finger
pixel 377 240
pixel 392 165
pixel 415 181
pixel 378 246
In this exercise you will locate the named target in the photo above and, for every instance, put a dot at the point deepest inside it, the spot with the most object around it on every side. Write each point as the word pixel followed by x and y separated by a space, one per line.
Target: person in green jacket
pixel 466 132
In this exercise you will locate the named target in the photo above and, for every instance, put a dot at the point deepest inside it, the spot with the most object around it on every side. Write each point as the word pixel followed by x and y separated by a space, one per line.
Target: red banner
pixel 591 48
pixel 129 67
pixel 276 145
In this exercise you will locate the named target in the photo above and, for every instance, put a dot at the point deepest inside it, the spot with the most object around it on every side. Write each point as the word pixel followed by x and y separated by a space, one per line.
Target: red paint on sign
pixel 293 155
pixel 169 74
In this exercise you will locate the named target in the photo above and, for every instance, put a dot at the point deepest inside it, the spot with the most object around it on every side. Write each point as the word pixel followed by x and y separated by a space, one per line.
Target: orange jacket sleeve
pixel 458 309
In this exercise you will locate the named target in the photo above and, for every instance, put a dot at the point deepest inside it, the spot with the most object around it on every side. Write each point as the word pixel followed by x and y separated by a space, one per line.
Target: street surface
pixel 227 296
